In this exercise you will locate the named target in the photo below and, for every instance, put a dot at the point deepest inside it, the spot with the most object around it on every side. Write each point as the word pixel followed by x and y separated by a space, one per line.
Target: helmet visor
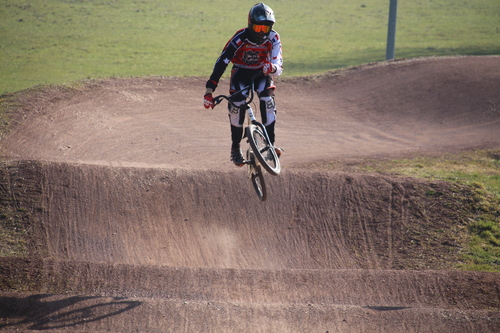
pixel 261 28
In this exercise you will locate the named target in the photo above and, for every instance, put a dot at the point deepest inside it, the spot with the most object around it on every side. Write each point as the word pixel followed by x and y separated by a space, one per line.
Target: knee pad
pixel 267 110
pixel 236 116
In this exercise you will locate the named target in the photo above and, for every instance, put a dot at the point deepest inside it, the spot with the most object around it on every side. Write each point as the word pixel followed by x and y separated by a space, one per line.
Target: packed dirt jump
pixel 138 222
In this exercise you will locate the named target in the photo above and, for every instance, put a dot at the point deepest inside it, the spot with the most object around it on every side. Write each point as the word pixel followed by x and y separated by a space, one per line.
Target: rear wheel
pixel 263 149
pixel 256 175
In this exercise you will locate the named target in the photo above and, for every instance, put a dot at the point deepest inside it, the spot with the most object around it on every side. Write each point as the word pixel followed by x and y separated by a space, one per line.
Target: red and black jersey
pixel 244 53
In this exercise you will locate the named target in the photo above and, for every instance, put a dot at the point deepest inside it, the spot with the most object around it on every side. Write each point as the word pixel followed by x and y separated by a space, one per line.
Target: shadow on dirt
pixel 42 312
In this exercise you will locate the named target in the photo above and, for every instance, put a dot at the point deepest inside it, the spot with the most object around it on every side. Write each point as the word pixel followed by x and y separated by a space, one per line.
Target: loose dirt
pixel 138 222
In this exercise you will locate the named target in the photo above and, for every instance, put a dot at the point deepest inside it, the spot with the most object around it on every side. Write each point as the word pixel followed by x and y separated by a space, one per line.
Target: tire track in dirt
pixel 359 287
pixel 150 216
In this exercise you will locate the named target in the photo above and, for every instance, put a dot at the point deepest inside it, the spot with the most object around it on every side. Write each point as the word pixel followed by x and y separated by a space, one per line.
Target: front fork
pixel 252 120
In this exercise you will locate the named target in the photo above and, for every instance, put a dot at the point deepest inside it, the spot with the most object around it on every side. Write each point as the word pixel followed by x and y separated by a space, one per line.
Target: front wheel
pixel 263 149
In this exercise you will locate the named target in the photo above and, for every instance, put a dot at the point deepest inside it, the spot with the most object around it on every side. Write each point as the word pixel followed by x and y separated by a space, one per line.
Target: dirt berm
pixel 137 222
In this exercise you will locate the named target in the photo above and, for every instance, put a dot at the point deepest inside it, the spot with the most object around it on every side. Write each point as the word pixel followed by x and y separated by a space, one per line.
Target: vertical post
pixel 391 30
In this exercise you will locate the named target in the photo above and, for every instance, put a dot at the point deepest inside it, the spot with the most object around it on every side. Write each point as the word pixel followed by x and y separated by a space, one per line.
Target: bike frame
pixel 255 160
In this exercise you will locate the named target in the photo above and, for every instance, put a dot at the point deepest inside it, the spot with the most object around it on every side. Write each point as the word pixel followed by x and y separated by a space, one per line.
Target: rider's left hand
pixel 268 68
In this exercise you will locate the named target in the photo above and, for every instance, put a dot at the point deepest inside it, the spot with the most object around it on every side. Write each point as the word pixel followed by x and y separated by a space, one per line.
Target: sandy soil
pixel 138 221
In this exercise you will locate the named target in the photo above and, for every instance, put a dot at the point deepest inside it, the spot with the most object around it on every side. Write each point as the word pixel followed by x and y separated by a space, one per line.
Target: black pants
pixel 264 87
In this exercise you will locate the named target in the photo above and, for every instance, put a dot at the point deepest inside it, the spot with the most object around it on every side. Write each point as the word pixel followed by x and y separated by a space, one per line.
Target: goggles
pixel 261 28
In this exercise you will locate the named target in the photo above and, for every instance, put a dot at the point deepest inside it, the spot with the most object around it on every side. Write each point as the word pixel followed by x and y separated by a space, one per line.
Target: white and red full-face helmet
pixel 260 22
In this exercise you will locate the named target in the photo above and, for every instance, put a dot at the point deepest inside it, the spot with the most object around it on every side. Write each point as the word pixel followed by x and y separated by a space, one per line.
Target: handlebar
pixel 218 99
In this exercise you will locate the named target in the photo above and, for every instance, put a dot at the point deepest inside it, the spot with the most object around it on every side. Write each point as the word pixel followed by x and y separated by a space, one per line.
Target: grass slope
pixel 479 171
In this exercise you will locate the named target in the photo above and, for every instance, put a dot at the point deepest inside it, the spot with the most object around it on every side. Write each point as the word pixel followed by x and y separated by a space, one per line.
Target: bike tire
pixel 256 176
pixel 259 184
pixel 263 149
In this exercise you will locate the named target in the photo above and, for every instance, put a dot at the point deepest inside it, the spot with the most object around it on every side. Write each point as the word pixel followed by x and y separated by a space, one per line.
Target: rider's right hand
pixel 208 100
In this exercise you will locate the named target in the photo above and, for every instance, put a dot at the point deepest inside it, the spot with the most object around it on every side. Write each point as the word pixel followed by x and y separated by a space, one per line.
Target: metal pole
pixel 391 31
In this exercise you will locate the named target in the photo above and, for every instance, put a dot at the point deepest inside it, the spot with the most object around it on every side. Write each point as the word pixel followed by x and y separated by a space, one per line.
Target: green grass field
pixel 60 41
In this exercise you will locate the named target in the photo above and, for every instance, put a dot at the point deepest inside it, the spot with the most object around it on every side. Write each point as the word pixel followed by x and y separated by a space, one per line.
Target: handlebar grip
pixel 217 100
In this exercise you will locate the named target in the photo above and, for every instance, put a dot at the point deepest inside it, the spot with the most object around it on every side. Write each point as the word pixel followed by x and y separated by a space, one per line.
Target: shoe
pixel 237 157
pixel 279 151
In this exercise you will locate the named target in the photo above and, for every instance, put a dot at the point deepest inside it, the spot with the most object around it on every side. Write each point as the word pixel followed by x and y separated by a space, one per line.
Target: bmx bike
pixel 261 155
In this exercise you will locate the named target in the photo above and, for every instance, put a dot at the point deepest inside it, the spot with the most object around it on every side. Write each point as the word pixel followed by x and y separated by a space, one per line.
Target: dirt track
pixel 139 222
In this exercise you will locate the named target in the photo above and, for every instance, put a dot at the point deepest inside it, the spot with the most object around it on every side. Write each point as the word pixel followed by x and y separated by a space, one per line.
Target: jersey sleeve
pixel 224 59
pixel 276 54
